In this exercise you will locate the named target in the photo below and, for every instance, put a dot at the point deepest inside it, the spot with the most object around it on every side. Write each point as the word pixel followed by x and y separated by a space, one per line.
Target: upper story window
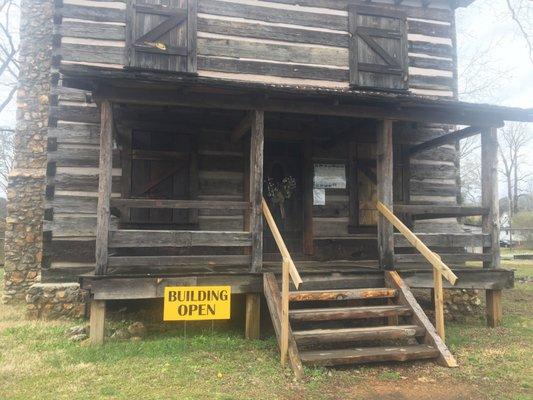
pixel 161 34
pixel 378 48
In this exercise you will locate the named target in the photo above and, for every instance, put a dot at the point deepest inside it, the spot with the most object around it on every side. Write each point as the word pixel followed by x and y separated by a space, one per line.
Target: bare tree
pixel 6 156
pixel 513 139
pixel 520 11
pixel 9 50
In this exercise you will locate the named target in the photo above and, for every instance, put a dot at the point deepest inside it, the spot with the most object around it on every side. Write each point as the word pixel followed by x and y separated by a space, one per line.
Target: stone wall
pixel 23 245
pixel 54 300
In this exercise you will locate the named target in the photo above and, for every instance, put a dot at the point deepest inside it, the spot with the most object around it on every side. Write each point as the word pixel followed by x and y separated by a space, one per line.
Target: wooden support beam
pixel 385 193
pixel 253 316
pixel 244 126
pixel 494 307
pixel 308 242
pixel 446 139
pixel 97 322
pixel 491 221
pixel 315 106
pixel 256 189
pixel 104 186
pixel 490 195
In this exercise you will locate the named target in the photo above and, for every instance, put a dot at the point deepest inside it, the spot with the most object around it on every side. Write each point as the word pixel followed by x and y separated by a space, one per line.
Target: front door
pixel 283 191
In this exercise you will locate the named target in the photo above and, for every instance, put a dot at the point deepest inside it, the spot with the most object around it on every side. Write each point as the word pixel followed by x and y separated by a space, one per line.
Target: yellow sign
pixel 196 303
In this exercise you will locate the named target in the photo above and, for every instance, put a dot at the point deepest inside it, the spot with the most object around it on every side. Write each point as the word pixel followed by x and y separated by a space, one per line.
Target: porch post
pixel 491 222
pixel 256 189
pixel 384 174
pixel 97 319
pixel 104 186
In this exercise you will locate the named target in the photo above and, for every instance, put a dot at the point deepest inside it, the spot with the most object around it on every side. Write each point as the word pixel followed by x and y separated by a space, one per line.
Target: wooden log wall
pixel 72 175
pixel 276 41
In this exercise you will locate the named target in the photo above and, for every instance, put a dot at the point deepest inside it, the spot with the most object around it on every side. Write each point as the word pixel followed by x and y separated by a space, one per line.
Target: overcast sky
pixel 486 30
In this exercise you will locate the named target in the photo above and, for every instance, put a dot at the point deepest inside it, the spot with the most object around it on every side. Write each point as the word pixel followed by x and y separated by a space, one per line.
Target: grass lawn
pixel 38 362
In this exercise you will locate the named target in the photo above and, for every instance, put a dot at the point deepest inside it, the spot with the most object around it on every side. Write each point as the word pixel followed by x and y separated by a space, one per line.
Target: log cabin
pixel 304 151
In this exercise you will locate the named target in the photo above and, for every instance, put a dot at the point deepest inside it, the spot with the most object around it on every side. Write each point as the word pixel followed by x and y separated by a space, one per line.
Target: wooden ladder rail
pixel 439 268
pixel 288 270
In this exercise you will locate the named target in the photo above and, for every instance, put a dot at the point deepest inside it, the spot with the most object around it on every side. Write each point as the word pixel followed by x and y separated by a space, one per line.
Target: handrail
pixel 432 257
pixel 439 268
pixel 296 279
pixel 288 269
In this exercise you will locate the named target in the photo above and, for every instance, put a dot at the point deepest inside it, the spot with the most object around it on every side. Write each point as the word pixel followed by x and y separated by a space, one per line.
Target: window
pixel 162 36
pixel 378 48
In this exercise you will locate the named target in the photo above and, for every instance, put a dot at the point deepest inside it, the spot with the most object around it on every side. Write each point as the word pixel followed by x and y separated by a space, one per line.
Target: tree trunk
pixel 515 201
pixel 511 208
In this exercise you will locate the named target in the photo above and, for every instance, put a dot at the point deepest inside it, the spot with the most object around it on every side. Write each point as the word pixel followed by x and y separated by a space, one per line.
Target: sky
pixel 486 31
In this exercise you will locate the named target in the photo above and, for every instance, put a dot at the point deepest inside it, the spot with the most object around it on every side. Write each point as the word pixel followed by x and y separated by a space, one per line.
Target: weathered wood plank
pixel 178 204
pixel 122 288
pixel 267 14
pixel 256 188
pixel 104 187
pixel 97 322
pixel 274 69
pixel 447 258
pixel 446 240
pixel 385 193
pixel 288 34
pixel 439 211
pixel 446 139
pixel 176 261
pixel 99 14
pixel 272 52
pixel 328 336
pixel 85 30
pixel 368 354
pixel 159 238
pixel 341 313
pixel 494 307
pixel 490 195
pixel 89 53
pixel 341 294
pixel 252 316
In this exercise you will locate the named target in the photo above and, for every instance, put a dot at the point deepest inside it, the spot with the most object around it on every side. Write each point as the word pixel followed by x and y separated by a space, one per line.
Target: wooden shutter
pixel 378 48
pixel 162 34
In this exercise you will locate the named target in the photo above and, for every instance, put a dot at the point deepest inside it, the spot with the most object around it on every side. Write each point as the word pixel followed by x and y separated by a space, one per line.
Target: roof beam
pixel 446 139
pixel 311 106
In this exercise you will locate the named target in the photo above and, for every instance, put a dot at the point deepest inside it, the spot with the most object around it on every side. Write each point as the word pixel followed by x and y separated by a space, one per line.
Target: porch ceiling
pixel 156 88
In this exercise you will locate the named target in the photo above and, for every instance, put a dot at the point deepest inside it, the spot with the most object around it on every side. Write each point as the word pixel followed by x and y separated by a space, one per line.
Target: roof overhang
pixel 163 89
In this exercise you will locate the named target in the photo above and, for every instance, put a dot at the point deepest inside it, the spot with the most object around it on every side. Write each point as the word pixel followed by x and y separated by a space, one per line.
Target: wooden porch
pixel 133 262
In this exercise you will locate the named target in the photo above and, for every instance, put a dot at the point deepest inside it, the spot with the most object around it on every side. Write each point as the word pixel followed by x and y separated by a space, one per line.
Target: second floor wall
pixel 323 43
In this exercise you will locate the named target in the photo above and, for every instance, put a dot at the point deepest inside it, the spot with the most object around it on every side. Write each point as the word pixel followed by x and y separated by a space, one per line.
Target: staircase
pixel 331 324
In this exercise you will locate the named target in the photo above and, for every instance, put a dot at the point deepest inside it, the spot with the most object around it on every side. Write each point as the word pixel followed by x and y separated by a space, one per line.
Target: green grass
pixel 37 361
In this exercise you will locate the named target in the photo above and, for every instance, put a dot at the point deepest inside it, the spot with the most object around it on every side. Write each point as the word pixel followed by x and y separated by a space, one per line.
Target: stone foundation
pixel 23 236
pixel 458 303
pixel 461 303
pixel 55 300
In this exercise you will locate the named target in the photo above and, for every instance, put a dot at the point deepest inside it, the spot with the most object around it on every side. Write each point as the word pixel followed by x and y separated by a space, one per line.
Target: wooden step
pixel 368 354
pixel 342 294
pixel 338 313
pixel 322 336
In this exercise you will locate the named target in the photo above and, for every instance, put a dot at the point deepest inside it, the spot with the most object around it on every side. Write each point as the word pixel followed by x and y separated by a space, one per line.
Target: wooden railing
pixel 288 269
pixel 439 268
